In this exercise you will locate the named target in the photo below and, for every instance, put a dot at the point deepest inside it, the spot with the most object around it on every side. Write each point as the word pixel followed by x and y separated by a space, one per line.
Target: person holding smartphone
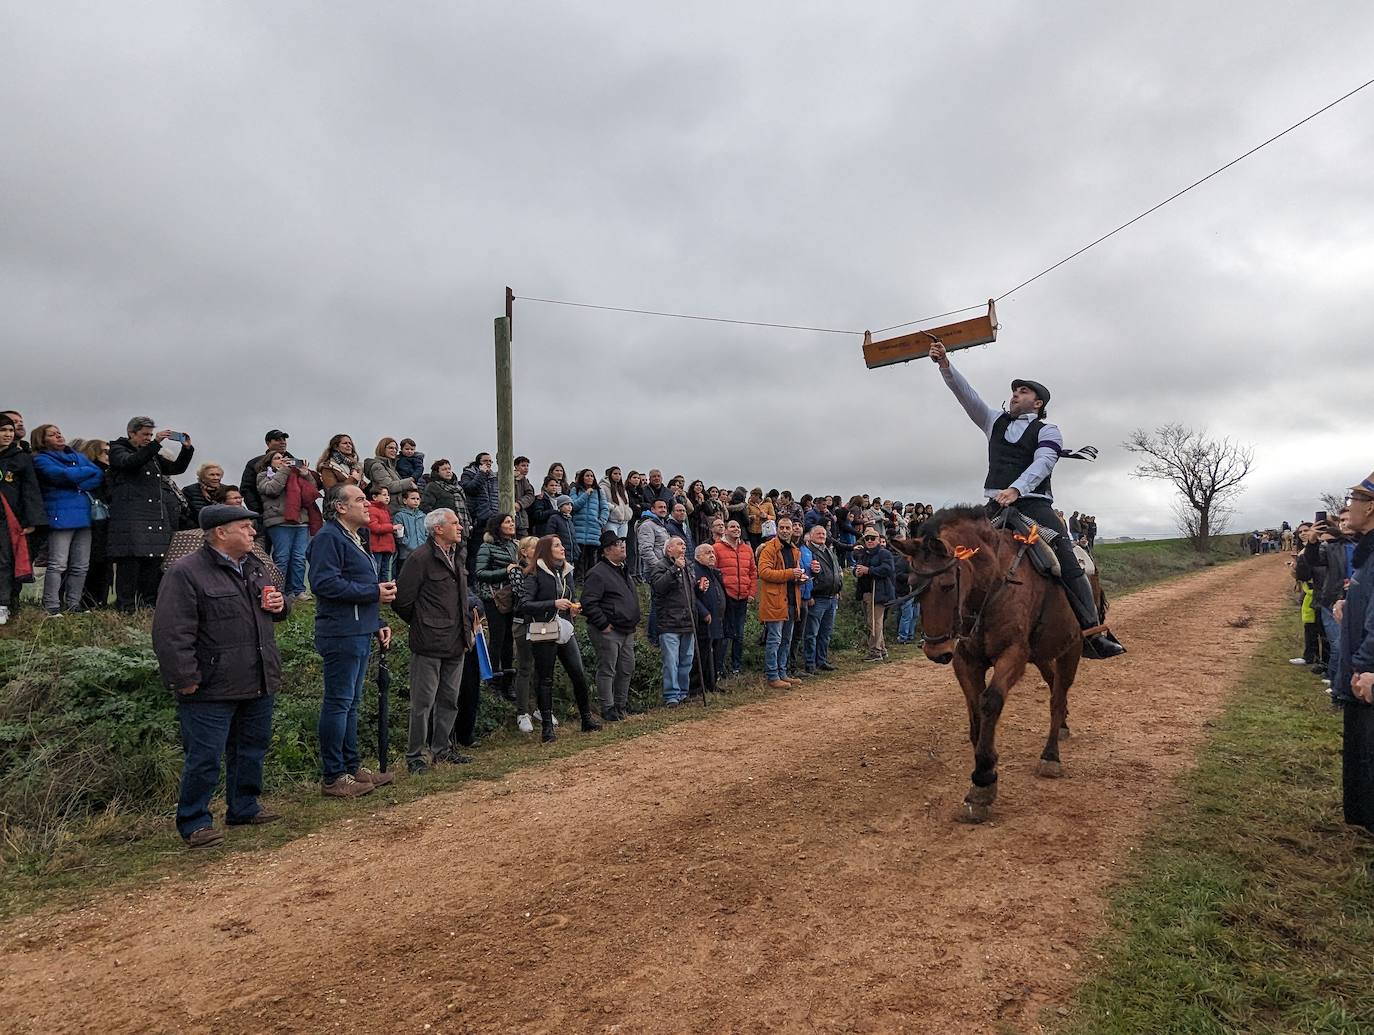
pixel 141 525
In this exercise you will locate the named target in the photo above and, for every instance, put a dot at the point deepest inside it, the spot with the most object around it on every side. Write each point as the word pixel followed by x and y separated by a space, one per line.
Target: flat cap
pixel 217 514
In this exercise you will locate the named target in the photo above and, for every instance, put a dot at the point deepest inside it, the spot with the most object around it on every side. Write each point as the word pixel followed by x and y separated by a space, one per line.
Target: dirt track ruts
pixel 790 865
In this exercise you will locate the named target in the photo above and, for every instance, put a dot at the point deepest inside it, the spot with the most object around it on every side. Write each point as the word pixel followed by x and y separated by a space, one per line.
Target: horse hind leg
pixel 1059 677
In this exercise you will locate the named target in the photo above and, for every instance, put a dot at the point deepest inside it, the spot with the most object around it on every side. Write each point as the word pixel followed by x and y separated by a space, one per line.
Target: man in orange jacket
pixel 780 605
pixel 735 559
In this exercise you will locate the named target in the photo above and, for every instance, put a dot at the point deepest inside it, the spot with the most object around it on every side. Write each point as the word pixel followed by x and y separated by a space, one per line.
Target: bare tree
pixel 1332 502
pixel 1206 472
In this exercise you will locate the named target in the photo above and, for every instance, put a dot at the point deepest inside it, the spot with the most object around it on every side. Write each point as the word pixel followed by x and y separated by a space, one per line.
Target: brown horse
pixel 983 606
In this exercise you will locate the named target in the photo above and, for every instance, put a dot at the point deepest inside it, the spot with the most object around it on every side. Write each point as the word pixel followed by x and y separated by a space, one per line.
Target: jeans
pixel 434 687
pixel 69 557
pixel 615 664
pixel 906 624
pixel 288 554
pixel 777 640
pixel 677 649
pixel 385 563
pixel 1333 633
pixel 735 611
pixel 345 665
pixel 820 622
pixel 237 731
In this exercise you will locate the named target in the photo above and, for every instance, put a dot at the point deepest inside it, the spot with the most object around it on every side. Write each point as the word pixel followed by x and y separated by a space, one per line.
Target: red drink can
pixel 269 588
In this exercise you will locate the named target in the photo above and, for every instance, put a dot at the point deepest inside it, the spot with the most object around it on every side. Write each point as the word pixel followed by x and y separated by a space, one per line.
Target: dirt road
pixel 785 866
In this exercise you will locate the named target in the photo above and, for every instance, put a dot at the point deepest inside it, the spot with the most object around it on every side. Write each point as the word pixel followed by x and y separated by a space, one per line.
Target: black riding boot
pixel 544 694
pixel 1099 645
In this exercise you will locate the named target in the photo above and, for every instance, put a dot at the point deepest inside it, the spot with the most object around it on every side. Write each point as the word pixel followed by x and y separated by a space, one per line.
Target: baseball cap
pixel 275 433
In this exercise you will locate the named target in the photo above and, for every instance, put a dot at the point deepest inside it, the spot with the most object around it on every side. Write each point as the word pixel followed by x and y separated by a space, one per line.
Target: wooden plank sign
pixel 954 336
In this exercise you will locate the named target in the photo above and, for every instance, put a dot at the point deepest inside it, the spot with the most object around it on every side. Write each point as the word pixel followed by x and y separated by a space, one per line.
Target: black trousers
pixel 544 656
pixel 500 644
pixel 136 581
pixel 1041 511
pixel 1357 766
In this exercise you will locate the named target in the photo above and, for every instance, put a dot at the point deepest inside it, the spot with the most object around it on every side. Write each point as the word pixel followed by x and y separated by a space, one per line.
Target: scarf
pixel 301 494
pixel 343 464
pixel 1363 549
pixel 19 545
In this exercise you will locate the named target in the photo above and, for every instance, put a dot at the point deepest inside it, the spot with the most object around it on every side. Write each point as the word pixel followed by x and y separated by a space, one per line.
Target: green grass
pixel 1123 567
pixel 1252 909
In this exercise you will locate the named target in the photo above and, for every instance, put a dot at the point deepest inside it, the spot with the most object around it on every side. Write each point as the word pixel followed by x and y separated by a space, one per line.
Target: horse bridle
pixel 957 629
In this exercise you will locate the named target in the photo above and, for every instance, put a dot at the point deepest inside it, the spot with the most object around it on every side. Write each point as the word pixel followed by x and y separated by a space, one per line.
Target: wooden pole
pixel 505 432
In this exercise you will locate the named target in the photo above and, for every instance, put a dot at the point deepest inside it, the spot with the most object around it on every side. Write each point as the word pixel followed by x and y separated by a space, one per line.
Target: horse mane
pixel 932 526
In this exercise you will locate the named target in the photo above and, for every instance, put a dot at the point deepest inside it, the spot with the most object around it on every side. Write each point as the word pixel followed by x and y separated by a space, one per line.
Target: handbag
pixel 100 510
pixel 565 631
pixel 504 599
pixel 544 632
pixel 768 529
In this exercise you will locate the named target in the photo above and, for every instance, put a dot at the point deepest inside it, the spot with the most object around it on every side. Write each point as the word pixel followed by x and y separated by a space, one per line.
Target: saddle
pixel 1041 553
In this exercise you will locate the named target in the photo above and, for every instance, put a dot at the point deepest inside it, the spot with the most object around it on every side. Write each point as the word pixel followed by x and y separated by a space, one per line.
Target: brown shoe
pixel 205 837
pixel 346 787
pixel 365 775
pixel 256 820
pixel 779 684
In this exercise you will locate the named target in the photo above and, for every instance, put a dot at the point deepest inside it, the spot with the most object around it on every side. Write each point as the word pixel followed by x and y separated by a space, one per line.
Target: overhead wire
pixel 955 312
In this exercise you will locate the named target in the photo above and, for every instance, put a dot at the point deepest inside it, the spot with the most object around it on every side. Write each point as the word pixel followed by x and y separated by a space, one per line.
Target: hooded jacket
pixel 591 509
pixel 651 538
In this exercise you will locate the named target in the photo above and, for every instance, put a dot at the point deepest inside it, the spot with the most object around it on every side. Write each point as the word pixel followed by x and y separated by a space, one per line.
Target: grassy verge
pixel 1252 909
pixel 1123 567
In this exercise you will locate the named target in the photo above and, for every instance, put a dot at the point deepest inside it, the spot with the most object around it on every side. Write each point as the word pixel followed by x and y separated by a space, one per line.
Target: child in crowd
pixel 411 520
pixel 382 532
pixel 411 463
pixel 561 525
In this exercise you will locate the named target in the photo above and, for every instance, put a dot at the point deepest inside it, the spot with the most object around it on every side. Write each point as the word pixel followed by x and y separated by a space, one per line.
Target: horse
pixel 984 606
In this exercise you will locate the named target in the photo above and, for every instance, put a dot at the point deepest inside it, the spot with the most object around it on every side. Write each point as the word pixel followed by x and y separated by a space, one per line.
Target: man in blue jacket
pixel 348 602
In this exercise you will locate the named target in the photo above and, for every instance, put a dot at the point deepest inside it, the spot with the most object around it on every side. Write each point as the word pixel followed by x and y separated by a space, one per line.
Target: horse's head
pixel 941 577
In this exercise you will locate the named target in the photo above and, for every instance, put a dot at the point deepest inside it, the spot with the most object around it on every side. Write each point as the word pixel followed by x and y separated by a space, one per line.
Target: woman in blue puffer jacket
pixel 66 478
pixel 591 509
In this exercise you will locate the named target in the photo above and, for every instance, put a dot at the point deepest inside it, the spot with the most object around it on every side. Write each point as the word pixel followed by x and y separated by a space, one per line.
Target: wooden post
pixel 505 432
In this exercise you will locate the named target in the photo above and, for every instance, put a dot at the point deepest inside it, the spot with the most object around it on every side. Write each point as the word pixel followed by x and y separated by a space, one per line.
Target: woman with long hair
pixel 548 589
pixel 591 508
pixel 621 511
pixel 64 479
pixel 290 514
pixel 339 463
pixel 524 657
pixel 497 558
pixel 556 470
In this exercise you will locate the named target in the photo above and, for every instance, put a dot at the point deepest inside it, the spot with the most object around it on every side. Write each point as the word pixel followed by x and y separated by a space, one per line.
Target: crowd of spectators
pixel 356 533
pixel 1333 565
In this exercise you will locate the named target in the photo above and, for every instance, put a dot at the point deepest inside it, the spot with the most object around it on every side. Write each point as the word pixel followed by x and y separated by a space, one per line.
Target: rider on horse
pixel 1023 448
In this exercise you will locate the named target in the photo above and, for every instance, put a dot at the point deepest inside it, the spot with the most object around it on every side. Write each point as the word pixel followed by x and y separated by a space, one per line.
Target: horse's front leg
pixel 973 680
pixel 1006 671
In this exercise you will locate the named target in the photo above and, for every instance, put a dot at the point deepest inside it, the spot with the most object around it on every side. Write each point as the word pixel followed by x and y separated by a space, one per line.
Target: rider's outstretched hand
pixel 937 356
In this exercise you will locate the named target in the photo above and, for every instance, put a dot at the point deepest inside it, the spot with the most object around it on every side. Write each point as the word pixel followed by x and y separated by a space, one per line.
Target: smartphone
pixel 177 436
pixel 1321 517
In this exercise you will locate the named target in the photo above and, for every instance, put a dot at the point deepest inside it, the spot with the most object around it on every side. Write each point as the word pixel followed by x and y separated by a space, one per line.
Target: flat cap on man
pixel 217 514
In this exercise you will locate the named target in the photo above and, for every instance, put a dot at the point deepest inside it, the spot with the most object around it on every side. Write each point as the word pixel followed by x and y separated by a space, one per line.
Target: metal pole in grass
pixel 383 708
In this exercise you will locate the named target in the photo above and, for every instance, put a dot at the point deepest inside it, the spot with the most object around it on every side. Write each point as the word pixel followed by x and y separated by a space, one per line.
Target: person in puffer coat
pixel 381 472
pixel 591 509
pixel 141 526
pixel 65 478
pixel 561 525
pixel 483 491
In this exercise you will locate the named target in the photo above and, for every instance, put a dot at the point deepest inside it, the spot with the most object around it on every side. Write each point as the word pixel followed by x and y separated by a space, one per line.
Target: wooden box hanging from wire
pixel 954 336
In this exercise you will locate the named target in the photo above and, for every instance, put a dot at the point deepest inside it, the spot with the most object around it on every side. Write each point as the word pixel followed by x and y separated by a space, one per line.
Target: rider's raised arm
pixel 1047 452
pixel 979 412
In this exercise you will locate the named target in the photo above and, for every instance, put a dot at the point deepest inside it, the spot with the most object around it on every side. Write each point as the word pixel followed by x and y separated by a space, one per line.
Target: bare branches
pixel 1206 472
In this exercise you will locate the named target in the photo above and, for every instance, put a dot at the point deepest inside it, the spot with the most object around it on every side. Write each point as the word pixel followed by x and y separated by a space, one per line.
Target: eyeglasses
pixel 1355 497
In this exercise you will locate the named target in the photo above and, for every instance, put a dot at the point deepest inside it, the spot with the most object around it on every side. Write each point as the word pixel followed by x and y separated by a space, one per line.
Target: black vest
pixel 1007 461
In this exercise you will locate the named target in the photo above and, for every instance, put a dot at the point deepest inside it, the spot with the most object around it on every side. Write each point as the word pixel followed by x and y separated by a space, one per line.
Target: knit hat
pixel 559 503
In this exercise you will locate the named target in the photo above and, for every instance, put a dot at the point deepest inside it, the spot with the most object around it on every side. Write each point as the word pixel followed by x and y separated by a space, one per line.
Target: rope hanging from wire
pixel 954 312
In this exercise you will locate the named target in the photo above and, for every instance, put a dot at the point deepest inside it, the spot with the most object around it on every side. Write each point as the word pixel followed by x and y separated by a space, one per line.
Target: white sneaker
pixel 524 723
pixel 4 616
pixel 1297 661
pixel 540 719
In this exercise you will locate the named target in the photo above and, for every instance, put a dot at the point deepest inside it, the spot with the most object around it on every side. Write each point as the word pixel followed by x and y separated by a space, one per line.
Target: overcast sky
pixel 240 215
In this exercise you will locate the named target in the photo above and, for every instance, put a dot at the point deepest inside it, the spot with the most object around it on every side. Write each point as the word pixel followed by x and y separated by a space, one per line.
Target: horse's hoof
pixel 1064 733
pixel 981 795
pixel 971 812
pixel 1049 770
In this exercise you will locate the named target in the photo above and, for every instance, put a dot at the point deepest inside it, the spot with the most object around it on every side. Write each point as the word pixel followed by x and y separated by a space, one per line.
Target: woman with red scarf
pixel 290 514
pixel 21 509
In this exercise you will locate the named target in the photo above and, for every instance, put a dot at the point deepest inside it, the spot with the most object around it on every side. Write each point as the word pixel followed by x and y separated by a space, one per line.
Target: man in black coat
pixel 432 596
pixel 217 652
pixel 141 526
pixel 611 608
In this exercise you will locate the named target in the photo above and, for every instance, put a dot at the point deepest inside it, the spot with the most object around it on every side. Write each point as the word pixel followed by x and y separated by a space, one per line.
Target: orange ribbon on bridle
pixel 963 553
